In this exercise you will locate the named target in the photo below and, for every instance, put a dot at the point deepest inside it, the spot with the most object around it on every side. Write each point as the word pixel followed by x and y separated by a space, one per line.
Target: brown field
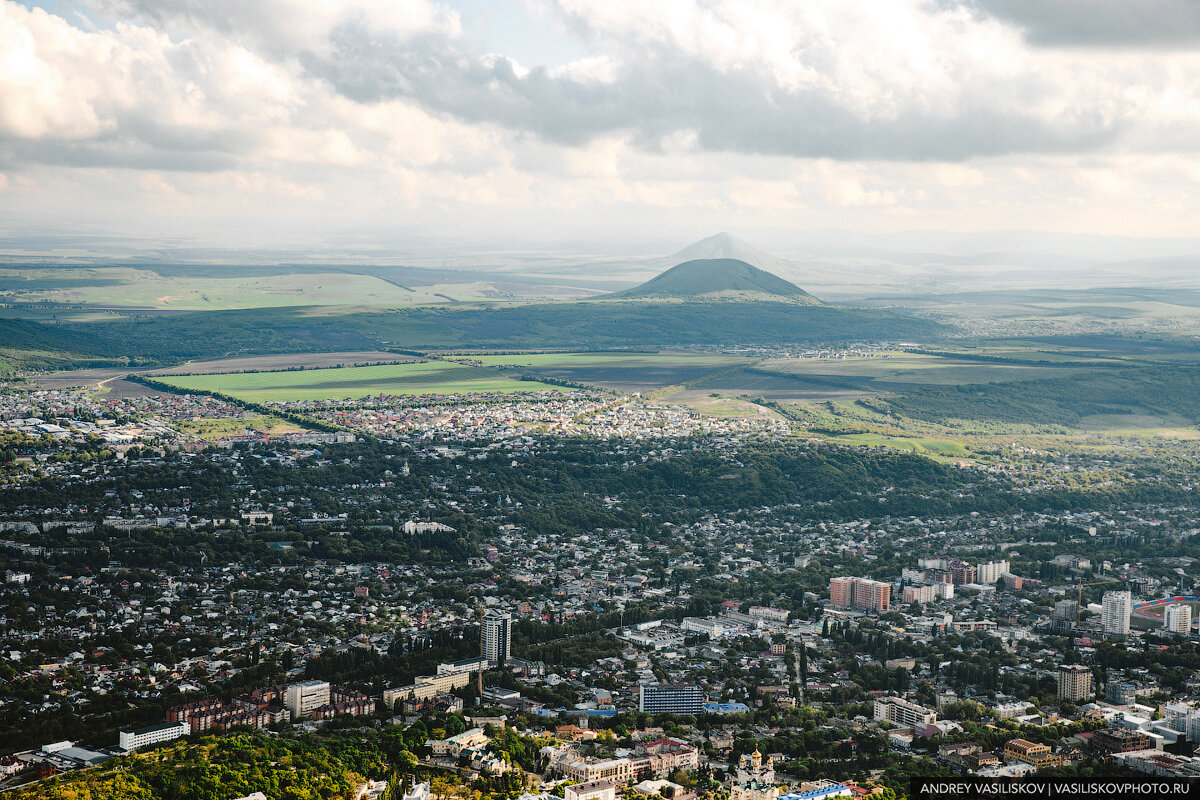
pixel 78 377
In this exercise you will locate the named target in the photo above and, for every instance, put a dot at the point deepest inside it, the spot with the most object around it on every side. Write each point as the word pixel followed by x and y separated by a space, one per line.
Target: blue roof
pixel 726 708
pixel 816 794
pixel 591 712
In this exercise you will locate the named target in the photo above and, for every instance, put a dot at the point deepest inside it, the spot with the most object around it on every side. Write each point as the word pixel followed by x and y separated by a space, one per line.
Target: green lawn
pixel 418 378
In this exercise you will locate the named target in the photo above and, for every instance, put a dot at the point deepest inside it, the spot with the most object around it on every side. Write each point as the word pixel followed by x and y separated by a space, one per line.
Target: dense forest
pixel 1167 392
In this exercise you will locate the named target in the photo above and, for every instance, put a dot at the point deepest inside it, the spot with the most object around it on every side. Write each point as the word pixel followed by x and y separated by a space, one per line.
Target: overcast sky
pixel 276 122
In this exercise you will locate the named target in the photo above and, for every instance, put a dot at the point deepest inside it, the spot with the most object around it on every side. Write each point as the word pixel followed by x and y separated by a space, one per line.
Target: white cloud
pixel 821 113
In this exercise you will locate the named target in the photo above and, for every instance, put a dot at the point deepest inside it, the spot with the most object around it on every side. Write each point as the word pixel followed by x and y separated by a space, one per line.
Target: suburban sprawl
pixel 583 592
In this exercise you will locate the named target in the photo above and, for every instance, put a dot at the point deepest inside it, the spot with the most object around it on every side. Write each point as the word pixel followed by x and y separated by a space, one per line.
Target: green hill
pixel 720 278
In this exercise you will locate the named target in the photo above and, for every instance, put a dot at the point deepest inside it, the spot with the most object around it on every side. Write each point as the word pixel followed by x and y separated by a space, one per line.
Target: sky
pixel 367 123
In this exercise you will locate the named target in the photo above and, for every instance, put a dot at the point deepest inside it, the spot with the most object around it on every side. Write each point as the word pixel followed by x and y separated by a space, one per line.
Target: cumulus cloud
pixel 907 81
pixel 726 106
pixel 1120 23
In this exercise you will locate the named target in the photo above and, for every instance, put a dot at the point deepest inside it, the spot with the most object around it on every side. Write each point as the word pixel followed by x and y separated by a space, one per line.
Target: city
pixel 599 400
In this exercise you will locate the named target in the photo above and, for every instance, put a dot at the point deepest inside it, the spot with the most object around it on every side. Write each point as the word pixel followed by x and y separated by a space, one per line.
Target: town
pixel 684 641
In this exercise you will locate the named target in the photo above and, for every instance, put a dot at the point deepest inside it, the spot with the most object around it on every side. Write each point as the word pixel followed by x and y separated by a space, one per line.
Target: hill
pixel 716 278
pixel 724 245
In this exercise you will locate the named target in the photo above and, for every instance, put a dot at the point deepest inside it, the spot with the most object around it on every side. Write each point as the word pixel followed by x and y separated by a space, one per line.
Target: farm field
pixel 286 361
pixel 629 372
pixel 910 368
pixel 822 380
pixel 105 377
pixel 118 287
pixel 416 378
pixel 782 388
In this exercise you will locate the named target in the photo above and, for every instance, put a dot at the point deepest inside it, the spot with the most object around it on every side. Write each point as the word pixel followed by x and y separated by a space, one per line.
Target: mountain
pixel 720 278
pixel 724 245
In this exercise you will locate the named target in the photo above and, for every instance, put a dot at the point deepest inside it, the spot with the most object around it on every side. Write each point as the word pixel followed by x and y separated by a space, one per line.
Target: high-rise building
pixel 928 592
pixel 1074 682
pixel 678 699
pixel 860 593
pixel 1066 610
pixel 497 637
pixel 962 573
pixel 1178 618
pixel 301 699
pixel 991 572
pixel 1114 612
pixel 919 594
pixel 841 592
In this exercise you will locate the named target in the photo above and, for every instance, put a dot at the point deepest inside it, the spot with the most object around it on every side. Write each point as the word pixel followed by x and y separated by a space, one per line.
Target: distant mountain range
pixel 722 278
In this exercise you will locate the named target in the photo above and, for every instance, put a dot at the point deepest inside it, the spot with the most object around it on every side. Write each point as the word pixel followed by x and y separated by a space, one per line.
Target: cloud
pixel 826 111
pixel 1108 23
pixel 845 81
pixel 909 81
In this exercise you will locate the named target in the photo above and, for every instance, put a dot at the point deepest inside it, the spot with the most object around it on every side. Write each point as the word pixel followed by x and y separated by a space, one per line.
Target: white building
pixel 713 628
pixel 755 779
pixel 1178 618
pixel 991 571
pixel 927 593
pixel 301 699
pixel 497 637
pixel 132 740
pixel 1183 719
pixel 1115 610
pixel 899 711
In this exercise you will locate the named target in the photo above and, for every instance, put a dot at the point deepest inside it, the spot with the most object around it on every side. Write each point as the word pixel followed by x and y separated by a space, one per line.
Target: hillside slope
pixel 716 278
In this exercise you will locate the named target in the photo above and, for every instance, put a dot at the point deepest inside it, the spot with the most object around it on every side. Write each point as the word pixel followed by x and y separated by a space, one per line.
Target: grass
pixel 609 359
pixel 944 448
pixel 908 368
pixel 145 289
pixel 725 407
pixel 624 371
pixel 213 429
pixel 418 378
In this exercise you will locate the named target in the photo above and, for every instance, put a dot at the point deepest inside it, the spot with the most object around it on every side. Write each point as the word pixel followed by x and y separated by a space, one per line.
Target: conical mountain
pixel 720 279
pixel 724 245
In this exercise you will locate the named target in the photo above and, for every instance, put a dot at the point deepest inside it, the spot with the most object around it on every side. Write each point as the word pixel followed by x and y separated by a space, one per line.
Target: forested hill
pixel 714 277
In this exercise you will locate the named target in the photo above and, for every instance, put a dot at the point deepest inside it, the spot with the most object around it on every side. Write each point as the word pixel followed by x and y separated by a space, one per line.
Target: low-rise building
pixel 153 734
pixel 1038 756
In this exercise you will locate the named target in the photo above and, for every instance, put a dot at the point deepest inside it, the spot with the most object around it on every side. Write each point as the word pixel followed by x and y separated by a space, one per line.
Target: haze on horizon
pixel 372 126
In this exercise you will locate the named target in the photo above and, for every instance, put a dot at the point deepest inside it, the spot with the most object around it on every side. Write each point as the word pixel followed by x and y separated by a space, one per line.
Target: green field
pixel 124 287
pixel 908 368
pixel 418 378
pixel 624 371
pixel 927 447
pixel 609 359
